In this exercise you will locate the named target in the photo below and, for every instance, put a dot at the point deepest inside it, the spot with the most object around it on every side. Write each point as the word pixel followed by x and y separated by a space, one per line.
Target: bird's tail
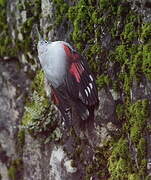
pixel 86 115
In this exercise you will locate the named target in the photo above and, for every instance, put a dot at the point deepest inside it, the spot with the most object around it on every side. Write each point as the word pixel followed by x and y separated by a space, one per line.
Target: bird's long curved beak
pixel 38 33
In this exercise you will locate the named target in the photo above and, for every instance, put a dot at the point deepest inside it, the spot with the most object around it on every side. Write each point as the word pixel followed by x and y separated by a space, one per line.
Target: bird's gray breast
pixel 54 63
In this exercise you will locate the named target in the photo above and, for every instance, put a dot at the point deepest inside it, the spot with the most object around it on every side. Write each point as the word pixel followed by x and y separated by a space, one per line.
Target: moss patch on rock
pixel 11 45
pixel 116 42
pixel 39 115
pixel 15 170
pixel 128 157
pixel 5 39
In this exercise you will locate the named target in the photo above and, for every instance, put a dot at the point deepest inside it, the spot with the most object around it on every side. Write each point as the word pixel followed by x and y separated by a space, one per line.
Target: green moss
pixel 121 53
pixel 148 177
pixel 120 111
pixel 121 163
pixel 5 39
pixel 15 169
pixel 129 47
pixel 89 169
pixel 146 32
pixel 98 166
pixel 139 114
pixel 2 2
pixel 38 101
pixel 134 177
pixel 136 68
pixel 61 8
pixel 91 21
pixel 102 81
pixel 20 141
pixel 104 4
pixel 120 149
pixel 84 18
pixel 21 137
pixel 146 66
pixel 7 48
pixel 81 17
pixel 129 33
pixel 39 115
pixel 12 173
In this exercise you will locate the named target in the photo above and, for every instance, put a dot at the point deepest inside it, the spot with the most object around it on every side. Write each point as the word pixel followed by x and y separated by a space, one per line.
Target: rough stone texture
pixel 14 85
pixel 143 7
pixel 46 20
pixel 106 110
pixel 60 166
pixel 36 157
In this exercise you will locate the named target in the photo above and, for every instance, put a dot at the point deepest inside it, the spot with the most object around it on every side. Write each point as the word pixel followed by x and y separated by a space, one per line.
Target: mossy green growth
pixel 91 23
pixel 120 112
pixel 12 173
pixel 122 164
pixel 33 11
pixel 98 166
pixel 5 40
pixel 20 141
pixel 2 2
pixel 39 114
pixel 37 107
pixel 129 33
pixel 102 81
pixel 104 4
pixel 146 32
pixel 7 48
pixel 121 54
pixel 82 17
pixel 119 161
pixel 146 65
pixel 21 136
pixel 139 114
pixel 15 169
pixel 61 8
pixel 134 177
pixel 38 100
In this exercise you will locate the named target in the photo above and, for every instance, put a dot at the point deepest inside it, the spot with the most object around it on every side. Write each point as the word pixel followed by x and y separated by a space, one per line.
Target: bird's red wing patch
pixel 54 98
pixel 76 70
pixel 67 50
pixel 71 55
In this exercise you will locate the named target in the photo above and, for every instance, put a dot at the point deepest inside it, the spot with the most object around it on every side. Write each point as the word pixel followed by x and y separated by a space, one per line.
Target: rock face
pixel 14 86
pixel 35 143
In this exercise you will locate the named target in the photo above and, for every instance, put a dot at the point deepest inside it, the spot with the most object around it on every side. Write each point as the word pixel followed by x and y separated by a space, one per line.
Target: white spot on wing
pixel 89 90
pixel 82 67
pixel 86 92
pixel 91 77
pixel 91 86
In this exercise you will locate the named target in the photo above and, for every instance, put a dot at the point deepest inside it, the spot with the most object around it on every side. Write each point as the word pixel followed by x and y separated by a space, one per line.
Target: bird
pixel 70 79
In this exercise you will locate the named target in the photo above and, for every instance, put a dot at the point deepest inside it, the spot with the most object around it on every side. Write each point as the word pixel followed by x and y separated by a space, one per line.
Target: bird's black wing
pixel 60 98
pixel 79 80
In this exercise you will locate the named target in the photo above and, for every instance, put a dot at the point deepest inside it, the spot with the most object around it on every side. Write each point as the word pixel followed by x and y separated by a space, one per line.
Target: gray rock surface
pixel 13 88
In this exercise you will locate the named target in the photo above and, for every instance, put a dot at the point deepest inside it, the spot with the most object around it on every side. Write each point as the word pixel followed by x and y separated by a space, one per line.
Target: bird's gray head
pixel 42 45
